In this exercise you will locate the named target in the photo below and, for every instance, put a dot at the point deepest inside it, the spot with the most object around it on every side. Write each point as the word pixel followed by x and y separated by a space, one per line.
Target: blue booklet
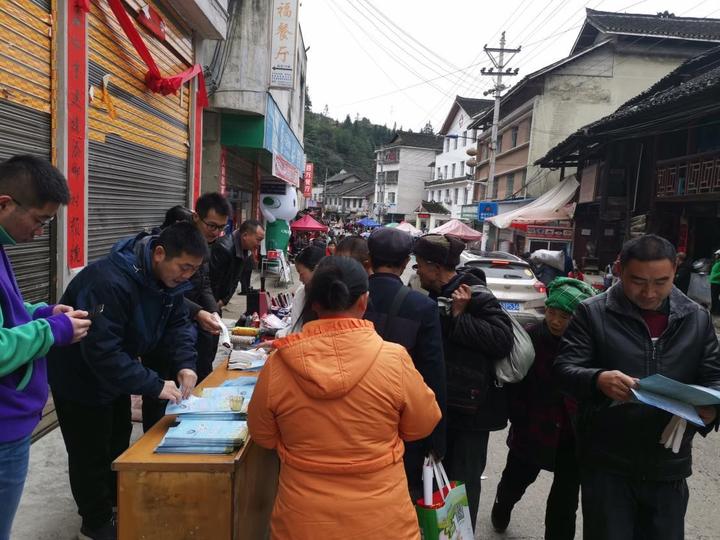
pixel 675 397
pixel 198 433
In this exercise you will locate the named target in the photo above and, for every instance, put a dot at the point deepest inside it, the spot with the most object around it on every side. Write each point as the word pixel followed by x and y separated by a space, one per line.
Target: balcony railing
pixel 689 175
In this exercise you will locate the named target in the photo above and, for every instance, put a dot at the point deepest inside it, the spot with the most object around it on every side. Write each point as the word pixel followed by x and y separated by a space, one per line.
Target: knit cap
pixel 566 293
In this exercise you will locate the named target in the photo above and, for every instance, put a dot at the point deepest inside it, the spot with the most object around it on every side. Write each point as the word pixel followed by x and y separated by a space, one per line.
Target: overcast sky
pixel 404 60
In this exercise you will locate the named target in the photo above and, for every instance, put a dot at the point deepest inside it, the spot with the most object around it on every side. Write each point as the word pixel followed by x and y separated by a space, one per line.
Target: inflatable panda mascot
pixel 278 208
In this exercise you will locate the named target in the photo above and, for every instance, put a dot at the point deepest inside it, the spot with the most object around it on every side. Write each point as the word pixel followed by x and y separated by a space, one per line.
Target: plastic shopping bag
pixel 443 514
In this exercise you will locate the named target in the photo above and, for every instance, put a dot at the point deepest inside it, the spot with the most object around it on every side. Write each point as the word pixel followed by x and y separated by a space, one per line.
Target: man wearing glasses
pixel 31 191
pixel 210 216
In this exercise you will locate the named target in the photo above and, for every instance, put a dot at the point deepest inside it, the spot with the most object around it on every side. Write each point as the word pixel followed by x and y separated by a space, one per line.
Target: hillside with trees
pixel 333 145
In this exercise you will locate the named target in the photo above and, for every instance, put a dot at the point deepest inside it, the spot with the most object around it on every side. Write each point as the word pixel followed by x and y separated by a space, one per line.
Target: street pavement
pixel 47 510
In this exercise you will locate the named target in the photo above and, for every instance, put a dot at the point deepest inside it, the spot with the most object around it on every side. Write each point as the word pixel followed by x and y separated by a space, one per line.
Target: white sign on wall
pixel 284 43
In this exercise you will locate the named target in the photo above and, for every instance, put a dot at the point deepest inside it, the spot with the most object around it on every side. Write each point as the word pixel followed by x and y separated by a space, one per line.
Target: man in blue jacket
pixel 411 319
pixel 140 285
pixel 31 191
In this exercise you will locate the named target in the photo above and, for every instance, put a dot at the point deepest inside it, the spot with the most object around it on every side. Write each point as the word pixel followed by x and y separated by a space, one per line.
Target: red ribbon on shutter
pixel 153 78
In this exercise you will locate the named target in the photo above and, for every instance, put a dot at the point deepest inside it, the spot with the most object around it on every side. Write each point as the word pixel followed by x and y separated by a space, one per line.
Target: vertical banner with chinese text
pixel 284 43
pixel 308 180
pixel 76 101
pixel 222 188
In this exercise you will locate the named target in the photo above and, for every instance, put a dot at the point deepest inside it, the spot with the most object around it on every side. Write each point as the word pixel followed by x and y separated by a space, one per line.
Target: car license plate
pixel 510 306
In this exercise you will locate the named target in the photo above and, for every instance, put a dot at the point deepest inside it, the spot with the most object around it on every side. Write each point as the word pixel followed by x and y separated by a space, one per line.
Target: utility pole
pixel 324 206
pixel 498 72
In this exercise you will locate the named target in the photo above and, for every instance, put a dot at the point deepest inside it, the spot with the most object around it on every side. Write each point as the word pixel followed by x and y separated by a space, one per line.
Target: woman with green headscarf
pixel 541 436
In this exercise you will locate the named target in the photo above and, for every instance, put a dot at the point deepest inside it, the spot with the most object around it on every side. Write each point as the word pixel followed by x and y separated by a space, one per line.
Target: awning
pixel 457 228
pixel 550 206
pixel 307 223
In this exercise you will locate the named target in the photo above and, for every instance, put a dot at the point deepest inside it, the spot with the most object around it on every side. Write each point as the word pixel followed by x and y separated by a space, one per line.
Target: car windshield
pixel 503 270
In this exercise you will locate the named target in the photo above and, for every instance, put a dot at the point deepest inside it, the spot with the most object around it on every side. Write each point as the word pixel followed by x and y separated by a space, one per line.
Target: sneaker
pixel 108 531
pixel 500 517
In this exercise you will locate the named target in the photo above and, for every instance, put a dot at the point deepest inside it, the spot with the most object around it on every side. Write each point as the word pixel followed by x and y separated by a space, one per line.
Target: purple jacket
pixel 26 334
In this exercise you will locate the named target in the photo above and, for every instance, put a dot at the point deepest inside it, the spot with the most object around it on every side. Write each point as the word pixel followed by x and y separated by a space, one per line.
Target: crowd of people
pixel 370 379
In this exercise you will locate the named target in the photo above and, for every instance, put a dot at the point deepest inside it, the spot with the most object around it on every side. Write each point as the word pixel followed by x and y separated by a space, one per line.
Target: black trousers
pixel 465 461
pixel 94 436
pixel 620 508
pixel 562 503
pixel 715 293
pixel 206 346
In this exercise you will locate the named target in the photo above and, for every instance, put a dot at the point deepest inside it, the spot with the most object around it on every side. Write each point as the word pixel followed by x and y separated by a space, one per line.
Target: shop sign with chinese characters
pixel 550 233
pixel 284 43
pixel 308 180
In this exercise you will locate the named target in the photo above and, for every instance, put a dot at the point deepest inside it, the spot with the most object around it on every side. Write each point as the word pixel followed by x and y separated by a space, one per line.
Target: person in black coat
pixel 140 286
pixel 231 256
pixel 683 272
pixel 634 485
pixel 476 333
pixel 411 319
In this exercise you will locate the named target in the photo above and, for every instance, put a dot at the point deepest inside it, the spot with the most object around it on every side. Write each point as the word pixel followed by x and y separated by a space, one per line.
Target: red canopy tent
pixel 306 224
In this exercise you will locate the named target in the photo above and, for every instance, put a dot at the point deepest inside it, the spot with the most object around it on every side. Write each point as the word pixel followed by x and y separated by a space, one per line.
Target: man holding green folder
pixel 633 486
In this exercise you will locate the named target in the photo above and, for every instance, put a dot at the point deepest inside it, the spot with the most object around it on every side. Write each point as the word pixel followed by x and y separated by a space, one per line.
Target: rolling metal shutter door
pixel 138 161
pixel 25 124
pixel 131 187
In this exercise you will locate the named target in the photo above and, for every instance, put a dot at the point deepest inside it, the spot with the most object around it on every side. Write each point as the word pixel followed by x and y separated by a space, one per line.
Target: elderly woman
pixel 541 436
pixel 337 402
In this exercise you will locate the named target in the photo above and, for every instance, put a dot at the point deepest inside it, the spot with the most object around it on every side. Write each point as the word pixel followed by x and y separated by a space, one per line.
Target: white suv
pixel 512 281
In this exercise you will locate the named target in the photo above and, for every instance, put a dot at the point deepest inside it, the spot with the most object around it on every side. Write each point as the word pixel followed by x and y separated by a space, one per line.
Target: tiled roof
pixel 432 208
pixel 662 24
pixel 697 79
pixel 473 106
pixel 343 176
pixel 417 140
pixel 355 189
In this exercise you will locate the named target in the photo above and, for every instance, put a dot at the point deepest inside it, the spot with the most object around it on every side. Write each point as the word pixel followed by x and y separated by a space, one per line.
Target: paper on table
pixel 673 406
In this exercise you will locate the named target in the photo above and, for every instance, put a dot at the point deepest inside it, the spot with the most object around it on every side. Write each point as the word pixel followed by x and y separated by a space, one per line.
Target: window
pixel 465 138
pixel 456 139
pixel 462 168
pixel 447 194
pixel 445 172
pixel 456 200
pixel 494 192
pixel 391 197
pixel 465 196
pixel 474 134
pixel 485 151
pixel 447 144
pixel 498 147
pixel 453 171
pixel 514 136
pixel 510 185
pixel 439 174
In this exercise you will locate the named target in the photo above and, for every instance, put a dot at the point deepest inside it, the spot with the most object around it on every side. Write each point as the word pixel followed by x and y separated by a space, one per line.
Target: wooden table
pixel 195 496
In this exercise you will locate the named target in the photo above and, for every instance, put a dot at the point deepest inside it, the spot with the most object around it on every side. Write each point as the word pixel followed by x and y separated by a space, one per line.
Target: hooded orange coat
pixel 336 401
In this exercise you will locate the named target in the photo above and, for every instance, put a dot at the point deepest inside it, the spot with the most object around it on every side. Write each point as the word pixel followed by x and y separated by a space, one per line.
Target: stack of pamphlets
pixel 204 437
pixel 252 360
pixel 213 423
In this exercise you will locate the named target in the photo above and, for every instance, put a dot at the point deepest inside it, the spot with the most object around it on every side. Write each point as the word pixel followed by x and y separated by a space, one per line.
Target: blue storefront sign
pixel 486 209
pixel 280 139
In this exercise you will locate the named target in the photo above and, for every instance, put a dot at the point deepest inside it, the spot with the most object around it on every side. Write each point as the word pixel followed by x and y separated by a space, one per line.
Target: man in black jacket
pixel 476 333
pixel 632 486
pixel 230 255
pixel 411 319
pixel 140 286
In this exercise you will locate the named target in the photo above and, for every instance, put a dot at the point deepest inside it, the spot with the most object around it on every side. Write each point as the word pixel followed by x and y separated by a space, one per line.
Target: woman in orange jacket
pixel 337 401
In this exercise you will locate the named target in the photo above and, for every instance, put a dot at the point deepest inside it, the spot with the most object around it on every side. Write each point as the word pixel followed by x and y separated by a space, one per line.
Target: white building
pixel 451 183
pixel 401 173
pixel 346 194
